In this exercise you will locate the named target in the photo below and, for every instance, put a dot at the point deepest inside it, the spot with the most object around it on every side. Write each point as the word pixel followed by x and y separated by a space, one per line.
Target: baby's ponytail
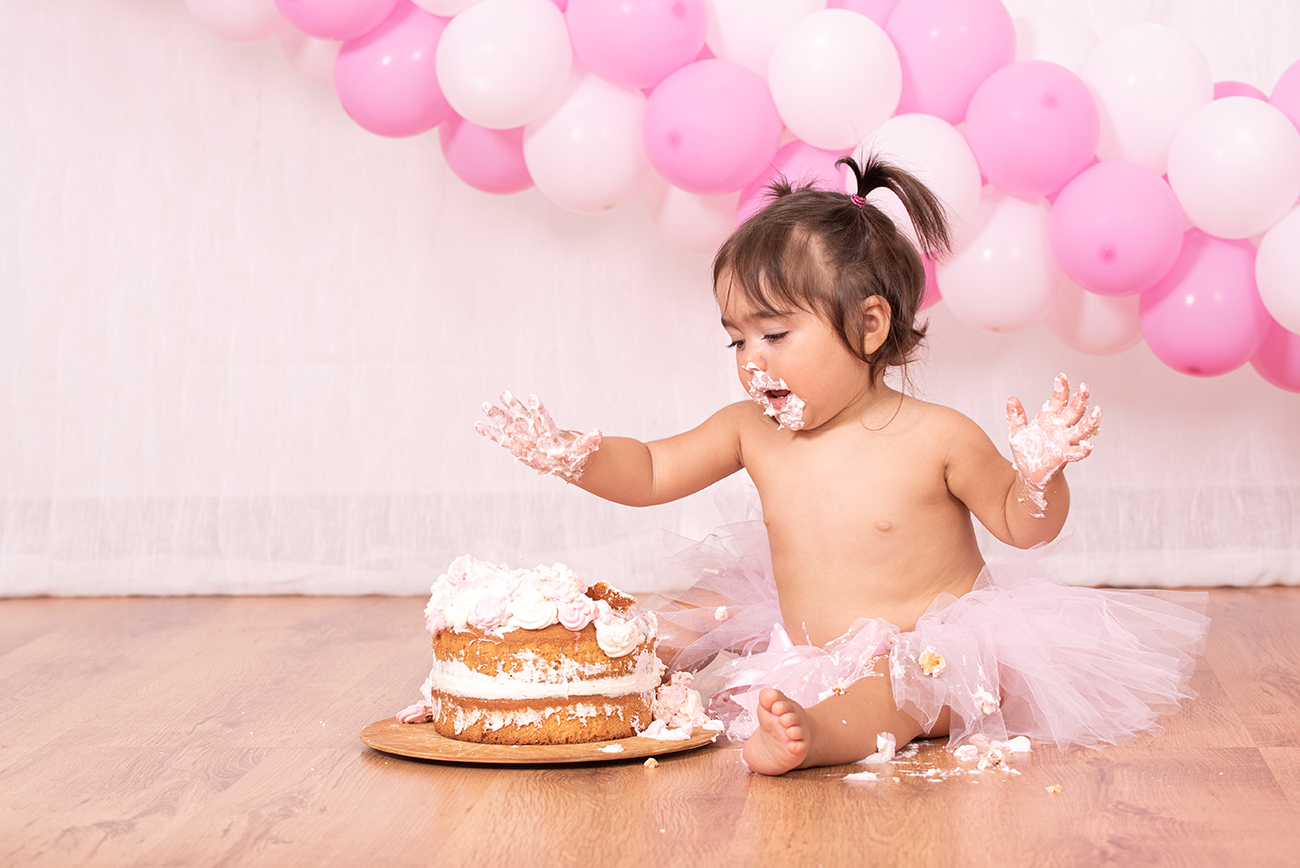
pixel 923 207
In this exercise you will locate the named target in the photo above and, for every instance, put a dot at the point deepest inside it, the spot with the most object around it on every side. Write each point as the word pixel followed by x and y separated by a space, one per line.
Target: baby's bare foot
pixel 781 741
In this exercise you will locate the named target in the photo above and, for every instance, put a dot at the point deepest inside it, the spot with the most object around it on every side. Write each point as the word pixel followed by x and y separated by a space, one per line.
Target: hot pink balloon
pixel 635 43
pixel 386 79
pixel 1237 88
pixel 711 127
pixel 877 10
pixel 1278 358
pixel 799 163
pixel 1286 93
pixel 947 49
pixel 336 20
pixel 1032 126
pixel 487 160
pixel 1205 317
pixel 1116 229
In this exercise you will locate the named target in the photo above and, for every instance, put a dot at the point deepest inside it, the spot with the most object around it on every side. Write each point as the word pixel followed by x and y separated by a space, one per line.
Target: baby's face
pixel 792 363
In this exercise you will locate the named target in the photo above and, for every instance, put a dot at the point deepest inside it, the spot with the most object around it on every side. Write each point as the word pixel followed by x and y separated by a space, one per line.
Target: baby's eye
pixel 737 344
pixel 774 337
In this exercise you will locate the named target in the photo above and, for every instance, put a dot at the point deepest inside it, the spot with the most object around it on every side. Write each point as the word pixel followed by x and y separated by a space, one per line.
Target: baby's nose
pixel 754 365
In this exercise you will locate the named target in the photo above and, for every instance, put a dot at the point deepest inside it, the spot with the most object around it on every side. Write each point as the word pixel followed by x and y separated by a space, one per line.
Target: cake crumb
pixel 932 662
pixel 651 763
pixel 1054 789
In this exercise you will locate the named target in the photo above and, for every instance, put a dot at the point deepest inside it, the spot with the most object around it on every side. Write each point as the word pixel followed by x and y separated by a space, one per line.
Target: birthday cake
pixel 535 657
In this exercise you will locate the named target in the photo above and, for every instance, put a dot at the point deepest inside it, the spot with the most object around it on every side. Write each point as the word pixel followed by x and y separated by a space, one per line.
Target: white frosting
pixel 617 637
pixel 541 682
pixel 787 410
pixel 495 599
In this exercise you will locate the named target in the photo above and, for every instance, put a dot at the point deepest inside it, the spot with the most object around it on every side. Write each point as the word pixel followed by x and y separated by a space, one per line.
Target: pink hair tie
pixel 858 200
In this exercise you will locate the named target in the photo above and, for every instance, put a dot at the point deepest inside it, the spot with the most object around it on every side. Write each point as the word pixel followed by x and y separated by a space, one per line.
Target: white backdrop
pixel 243 342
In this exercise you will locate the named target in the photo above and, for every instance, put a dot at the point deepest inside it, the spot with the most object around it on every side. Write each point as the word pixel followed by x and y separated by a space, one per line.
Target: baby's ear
pixel 876 318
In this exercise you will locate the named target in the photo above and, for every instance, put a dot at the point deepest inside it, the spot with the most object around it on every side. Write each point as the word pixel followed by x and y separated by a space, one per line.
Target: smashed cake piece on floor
pixel 536 657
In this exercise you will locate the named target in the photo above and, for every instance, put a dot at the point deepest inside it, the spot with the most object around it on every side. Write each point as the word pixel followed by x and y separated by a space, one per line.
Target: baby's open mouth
pixel 777 397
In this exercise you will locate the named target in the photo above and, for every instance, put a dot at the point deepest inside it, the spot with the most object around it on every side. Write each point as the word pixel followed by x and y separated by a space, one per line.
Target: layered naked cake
pixel 535 657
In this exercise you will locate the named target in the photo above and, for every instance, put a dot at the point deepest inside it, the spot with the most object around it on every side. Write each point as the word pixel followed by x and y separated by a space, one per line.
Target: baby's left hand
pixel 1060 433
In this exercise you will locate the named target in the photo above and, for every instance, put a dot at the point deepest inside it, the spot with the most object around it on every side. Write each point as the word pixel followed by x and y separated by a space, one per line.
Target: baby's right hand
pixel 534 439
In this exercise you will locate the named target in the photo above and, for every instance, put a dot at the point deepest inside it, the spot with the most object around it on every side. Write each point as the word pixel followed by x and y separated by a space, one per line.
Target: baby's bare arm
pixel 1026 502
pixel 620 469
pixel 980 477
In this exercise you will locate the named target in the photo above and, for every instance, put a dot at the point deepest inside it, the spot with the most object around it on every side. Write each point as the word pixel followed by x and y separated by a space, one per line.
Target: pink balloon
pixel 877 10
pixel 337 20
pixel 1237 88
pixel 1278 359
pixel 487 160
pixel 1032 126
pixel 386 79
pixel 711 127
pixel 1205 317
pixel 932 295
pixel 1116 229
pixel 1286 93
pixel 947 49
pixel 800 164
pixel 635 43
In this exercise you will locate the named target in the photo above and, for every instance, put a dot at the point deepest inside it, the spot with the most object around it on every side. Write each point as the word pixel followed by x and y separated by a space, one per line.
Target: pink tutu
pixel 1021 654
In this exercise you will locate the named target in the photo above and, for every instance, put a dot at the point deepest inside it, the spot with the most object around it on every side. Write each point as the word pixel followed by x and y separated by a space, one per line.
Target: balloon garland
pixel 1108 187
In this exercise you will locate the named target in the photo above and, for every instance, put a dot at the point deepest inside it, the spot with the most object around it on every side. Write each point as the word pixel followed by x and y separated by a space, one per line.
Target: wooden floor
pixel 224 731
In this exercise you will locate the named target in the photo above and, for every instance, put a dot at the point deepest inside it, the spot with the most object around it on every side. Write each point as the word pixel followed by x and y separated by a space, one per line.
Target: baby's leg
pixel 839 729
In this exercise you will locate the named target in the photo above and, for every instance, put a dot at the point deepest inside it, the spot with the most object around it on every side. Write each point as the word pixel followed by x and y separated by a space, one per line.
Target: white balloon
pixel 1147 80
pixel 1277 271
pixel 937 154
pixel 1003 278
pixel 690 220
pixel 746 31
pixel 501 62
pixel 238 20
pixel 587 155
pixel 1056 37
pixel 445 8
pixel 1235 166
pixel 835 76
pixel 1099 325
pixel 313 58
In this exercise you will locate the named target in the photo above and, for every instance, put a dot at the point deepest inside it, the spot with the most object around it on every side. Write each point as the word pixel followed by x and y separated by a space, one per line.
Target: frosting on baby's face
pixel 776 399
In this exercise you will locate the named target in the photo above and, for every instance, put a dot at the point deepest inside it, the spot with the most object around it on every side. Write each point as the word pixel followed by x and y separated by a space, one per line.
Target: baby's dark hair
pixel 827 253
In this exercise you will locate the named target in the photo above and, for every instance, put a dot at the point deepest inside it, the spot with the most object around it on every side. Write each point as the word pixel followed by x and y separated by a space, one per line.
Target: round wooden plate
pixel 421 741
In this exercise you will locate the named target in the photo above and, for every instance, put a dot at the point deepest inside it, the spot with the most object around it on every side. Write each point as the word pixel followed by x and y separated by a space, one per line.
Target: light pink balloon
pixel 1278 358
pixel 1032 126
pixel 1286 93
pixel 877 10
pixel 1116 229
pixel 337 20
pixel 635 43
pixel 1237 88
pixel 238 20
pixel 948 48
pixel 1099 325
pixel 1205 317
pixel 487 160
pixel 799 163
pixel 711 127
pixel 386 79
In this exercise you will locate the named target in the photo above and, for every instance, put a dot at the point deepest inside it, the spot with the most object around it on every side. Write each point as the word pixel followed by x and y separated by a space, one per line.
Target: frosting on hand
pixel 1059 434
pixel 534 439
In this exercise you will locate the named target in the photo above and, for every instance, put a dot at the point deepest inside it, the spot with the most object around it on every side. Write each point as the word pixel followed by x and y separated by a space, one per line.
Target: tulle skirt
pixel 1021 654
